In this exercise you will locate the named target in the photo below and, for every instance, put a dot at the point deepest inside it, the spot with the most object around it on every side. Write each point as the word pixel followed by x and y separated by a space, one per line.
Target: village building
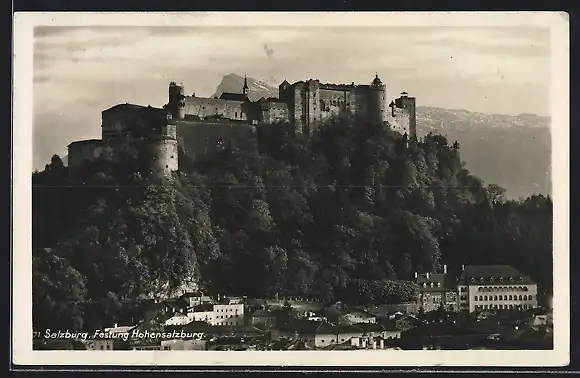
pixel 496 287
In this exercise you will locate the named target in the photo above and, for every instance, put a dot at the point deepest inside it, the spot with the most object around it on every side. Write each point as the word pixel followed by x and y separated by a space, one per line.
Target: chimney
pixel 427 275
pixel 115 325
pixel 462 268
pixel 445 268
pixel 416 275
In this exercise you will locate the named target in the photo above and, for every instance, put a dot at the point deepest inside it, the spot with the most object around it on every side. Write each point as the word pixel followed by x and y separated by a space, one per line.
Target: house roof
pixel 493 275
pixel 133 107
pixel 263 314
pixel 233 96
pixel 193 294
pixel 176 303
pixel 387 309
pixel 436 282
pixel 348 329
pixel 122 329
pixel 305 326
pixel 389 324
pixel 195 326
pixel 204 307
pixel 370 327
pixel 359 312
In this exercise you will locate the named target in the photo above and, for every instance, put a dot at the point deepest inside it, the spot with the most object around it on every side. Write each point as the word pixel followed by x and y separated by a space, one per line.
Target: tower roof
pixel 377 81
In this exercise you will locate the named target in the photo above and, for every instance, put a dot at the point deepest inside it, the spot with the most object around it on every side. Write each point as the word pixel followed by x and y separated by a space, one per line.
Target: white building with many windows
pixel 227 314
pixel 495 287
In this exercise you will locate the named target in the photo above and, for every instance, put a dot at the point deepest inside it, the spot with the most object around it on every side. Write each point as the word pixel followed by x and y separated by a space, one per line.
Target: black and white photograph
pixel 333 189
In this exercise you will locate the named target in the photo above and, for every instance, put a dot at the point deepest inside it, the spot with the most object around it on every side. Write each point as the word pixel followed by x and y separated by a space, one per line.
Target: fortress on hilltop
pixel 199 125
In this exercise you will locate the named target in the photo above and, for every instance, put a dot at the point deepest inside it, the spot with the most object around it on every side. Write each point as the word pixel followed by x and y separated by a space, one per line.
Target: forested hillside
pixel 341 216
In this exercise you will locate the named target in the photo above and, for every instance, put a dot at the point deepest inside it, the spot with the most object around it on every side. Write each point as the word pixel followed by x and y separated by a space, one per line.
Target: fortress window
pixel 172 156
pixel 166 166
pixel 236 114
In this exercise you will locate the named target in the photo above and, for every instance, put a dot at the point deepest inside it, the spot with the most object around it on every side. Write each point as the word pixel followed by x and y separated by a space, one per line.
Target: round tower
pixel 379 99
pixel 176 104
pixel 165 149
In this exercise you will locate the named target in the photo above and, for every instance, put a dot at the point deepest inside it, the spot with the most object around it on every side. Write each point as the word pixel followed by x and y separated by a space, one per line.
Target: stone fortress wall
pixel 202 126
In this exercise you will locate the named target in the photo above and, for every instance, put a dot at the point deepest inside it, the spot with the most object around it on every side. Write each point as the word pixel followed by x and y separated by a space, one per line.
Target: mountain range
pixel 513 152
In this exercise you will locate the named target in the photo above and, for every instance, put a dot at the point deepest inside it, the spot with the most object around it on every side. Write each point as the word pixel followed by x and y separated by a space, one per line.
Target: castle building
pixel 124 125
pixel 304 104
pixel 478 288
pixel 201 126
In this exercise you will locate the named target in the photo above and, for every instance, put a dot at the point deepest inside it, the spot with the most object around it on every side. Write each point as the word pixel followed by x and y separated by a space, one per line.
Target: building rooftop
pixel 304 326
pixel 203 307
pixel 360 312
pixel 435 282
pixel 263 314
pixel 233 96
pixel 133 107
pixel 493 275
pixel 85 141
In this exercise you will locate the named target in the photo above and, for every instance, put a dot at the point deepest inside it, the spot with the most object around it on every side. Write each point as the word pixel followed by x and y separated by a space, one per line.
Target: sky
pixel 80 71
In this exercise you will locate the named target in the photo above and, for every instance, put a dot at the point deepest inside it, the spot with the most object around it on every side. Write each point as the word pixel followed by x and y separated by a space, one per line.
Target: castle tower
pixel 408 104
pixel 176 104
pixel 245 89
pixel 379 94
pixel 164 147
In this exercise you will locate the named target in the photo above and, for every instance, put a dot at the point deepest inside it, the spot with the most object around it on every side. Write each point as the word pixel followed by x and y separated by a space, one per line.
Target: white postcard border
pixel 22 353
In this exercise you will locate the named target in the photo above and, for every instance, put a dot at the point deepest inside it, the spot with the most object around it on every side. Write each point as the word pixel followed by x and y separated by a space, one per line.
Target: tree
pixel 347 214
pixel 58 293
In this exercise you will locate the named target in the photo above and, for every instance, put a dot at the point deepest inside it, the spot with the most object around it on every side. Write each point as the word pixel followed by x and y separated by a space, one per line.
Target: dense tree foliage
pixel 349 214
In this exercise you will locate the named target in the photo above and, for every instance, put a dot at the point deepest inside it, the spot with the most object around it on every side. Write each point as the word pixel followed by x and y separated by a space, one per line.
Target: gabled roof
pixel 493 275
pixel 440 281
pixel 233 96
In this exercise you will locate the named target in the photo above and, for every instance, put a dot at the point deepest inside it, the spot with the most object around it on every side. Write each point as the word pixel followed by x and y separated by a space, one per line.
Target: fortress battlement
pixel 194 124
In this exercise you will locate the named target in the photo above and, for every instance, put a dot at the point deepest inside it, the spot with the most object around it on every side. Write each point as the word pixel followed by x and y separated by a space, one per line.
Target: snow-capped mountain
pixel 511 151
pixel 233 83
